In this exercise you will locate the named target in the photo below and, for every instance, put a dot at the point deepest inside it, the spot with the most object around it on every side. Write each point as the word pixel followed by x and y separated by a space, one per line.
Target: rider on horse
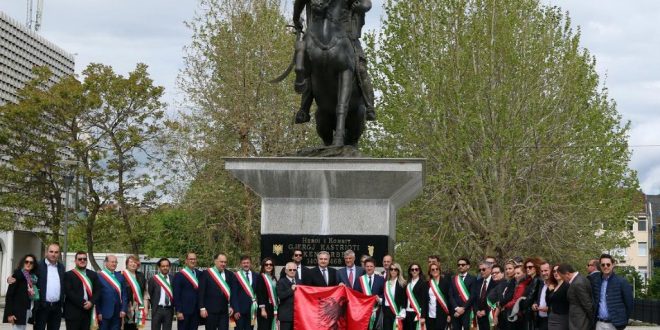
pixel 354 32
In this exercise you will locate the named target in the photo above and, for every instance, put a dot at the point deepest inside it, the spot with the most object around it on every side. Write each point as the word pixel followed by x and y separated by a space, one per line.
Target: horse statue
pixel 328 59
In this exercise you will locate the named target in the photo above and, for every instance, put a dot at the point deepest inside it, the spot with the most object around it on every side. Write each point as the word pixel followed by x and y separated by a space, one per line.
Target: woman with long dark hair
pixel 22 293
pixel 438 312
pixel 267 294
pixel 533 270
pixel 514 307
pixel 418 298
pixel 557 299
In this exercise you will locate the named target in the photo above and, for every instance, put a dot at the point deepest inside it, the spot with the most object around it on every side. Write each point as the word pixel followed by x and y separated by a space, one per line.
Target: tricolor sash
pixel 414 304
pixel 389 296
pixel 220 282
pixel 439 297
pixel 140 314
pixel 491 313
pixel 87 286
pixel 245 283
pixel 366 289
pixel 112 280
pixel 272 298
pixel 462 290
pixel 164 282
pixel 189 274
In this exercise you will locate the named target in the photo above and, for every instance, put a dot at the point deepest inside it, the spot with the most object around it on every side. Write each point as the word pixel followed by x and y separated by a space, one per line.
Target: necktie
pixel 325 276
pixel 369 281
pixel 350 276
pixel 247 275
pixel 482 295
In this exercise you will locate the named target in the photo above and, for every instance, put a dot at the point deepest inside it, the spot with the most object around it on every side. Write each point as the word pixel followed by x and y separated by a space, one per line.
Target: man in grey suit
pixel 580 302
pixel 349 275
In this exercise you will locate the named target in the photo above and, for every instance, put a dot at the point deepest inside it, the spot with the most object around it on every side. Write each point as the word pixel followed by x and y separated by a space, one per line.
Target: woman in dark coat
pixel 557 299
pixel 21 294
pixel 267 312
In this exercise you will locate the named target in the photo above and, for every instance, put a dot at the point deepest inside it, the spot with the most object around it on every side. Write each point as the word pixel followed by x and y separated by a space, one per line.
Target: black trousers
pixel 483 323
pixel 217 321
pixel 388 318
pixel 48 315
pixel 286 325
pixel 438 323
pixel 189 322
pixel 161 318
pixel 461 322
pixel 542 323
pixel 409 322
pixel 78 324
pixel 244 322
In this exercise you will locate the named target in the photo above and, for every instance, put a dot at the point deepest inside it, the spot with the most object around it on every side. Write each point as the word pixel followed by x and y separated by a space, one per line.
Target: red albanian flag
pixel 331 308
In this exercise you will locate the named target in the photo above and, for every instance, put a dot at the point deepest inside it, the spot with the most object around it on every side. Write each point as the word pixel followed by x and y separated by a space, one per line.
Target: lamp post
pixel 68 173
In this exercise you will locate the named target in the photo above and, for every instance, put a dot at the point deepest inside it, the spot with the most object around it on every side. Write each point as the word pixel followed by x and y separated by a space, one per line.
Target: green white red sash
pixel 112 280
pixel 389 296
pixel 462 290
pixel 220 282
pixel 491 313
pixel 414 304
pixel 439 297
pixel 140 314
pixel 164 283
pixel 87 286
pixel 245 283
pixel 190 275
pixel 366 289
pixel 272 297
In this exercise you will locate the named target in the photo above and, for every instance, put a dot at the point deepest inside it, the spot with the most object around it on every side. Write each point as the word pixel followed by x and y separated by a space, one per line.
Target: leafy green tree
pixel 526 154
pixel 237 46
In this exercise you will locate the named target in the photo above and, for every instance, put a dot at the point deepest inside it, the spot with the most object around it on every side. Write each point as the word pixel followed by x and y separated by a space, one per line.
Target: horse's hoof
pixel 302 117
pixel 371 115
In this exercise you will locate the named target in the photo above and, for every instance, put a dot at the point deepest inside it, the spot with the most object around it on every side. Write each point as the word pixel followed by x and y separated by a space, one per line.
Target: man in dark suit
pixel 48 310
pixel 81 289
pixel 480 291
pixel 112 302
pixel 370 278
pixel 216 285
pixel 186 287
pixel 161 297
pixel 286 287
pixel 322 275
pixel 301 271
pixel 244 302
pixel 460 297
pixel 349 275
pixel 580 303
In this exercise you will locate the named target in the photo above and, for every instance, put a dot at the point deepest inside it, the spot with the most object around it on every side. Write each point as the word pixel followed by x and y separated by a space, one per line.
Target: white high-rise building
pixel 21 49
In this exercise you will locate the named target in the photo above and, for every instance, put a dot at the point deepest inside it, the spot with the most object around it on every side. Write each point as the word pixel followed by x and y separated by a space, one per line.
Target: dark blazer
pixel 304 270
pixel 445 283
pixel 110 303
pixel 581 309
pixel 185 294
pixel 454 298
pixel 285 294
pixel 479 304
pixel 399 297
pixel 154 291
pixel 421 293
pixel 211 296
pixel 42 280
pixel 241 301
pixel 17 300
pixel 342 277
pixel 315 277
pixel 377 285
pixel 75 297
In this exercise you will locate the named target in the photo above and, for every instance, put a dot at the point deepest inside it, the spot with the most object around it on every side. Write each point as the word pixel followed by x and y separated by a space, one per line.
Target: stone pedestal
pixel 330 204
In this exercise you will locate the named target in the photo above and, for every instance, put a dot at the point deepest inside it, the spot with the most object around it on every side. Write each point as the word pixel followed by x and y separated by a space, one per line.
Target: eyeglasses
pixel 297 254
pixel 482 269
pixel 268 264
pixel 394 270
pixel 605 265
pixel 29 262
pixel 529 267
pixel 291 270
pixel 495 272
pixel 414 269
pixel 554 270
pixel 434 269
pixel 462 265
pixel 81 259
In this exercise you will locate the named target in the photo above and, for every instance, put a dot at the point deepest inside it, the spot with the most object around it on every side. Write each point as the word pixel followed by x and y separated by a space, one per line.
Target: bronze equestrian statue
pixel 331 69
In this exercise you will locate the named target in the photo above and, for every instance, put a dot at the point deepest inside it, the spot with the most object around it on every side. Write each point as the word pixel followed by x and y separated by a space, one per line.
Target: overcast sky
pixel 623 35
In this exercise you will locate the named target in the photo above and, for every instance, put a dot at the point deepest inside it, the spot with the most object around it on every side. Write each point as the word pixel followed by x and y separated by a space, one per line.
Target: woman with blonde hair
pixel 395 301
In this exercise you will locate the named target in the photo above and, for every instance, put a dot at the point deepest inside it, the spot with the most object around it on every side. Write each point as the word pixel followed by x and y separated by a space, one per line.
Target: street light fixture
pixel 68 174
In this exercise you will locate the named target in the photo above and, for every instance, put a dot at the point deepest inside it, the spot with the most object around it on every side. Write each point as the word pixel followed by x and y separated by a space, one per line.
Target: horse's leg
pixel 343 97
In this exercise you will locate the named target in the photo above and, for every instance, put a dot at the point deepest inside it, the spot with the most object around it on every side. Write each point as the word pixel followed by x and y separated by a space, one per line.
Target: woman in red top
pixel 521 284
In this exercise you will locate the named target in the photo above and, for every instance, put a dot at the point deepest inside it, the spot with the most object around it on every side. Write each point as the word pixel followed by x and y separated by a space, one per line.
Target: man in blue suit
pixel 244 301
pixel 375 282
pixel 349 275
pixel 112 303
pixel 216 286
pixel 186 287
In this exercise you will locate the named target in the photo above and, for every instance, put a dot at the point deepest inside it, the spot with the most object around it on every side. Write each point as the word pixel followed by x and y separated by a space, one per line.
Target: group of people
pixel 516 294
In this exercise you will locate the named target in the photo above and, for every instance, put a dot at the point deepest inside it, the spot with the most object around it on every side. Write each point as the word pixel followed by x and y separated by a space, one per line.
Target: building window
pixel 643 249
pixel 641 225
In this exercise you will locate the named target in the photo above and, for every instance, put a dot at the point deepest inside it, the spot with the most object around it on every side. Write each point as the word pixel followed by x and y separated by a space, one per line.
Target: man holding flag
pixel 372 284
pixel 112 303
pixel 161 297
pixel 81 289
